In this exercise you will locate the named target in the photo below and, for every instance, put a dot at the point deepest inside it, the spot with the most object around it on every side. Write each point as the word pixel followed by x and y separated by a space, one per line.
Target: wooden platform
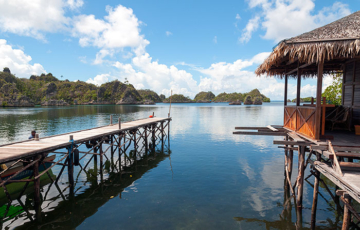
pixel 17 150
pixel 349 181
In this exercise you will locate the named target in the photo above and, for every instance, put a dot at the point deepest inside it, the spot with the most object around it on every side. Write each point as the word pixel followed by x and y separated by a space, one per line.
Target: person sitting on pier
pixel 33 132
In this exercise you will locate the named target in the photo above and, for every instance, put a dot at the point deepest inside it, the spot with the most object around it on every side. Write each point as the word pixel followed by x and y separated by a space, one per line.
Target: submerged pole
pixel 300 182
pixel 37 197
pixel 315 195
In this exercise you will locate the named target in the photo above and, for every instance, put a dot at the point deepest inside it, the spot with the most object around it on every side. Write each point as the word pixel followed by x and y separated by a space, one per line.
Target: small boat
pixel 26 173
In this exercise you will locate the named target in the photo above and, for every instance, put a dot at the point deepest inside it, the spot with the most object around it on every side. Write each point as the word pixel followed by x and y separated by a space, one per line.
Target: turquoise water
pixel 207 179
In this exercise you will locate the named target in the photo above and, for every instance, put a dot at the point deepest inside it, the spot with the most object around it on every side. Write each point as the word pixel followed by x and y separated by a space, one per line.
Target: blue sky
pixel 186 46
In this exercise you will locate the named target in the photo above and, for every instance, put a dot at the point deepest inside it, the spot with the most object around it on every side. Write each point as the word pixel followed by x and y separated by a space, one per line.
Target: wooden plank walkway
pixel 17 150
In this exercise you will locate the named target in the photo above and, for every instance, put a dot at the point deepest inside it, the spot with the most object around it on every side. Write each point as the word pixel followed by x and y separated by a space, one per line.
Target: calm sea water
pixel 208 179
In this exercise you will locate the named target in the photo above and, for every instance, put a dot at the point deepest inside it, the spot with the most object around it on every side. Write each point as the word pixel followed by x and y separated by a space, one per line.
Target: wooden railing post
pixel 318 100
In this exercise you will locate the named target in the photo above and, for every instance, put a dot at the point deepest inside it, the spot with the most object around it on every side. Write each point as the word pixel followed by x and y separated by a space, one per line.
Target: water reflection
pixel 213 180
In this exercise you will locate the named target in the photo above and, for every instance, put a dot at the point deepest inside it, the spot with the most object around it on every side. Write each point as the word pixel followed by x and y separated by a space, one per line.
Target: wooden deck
pixel 17 150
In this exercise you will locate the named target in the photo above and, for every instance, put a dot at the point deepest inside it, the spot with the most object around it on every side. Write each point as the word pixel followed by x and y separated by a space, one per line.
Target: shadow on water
pixel 71 211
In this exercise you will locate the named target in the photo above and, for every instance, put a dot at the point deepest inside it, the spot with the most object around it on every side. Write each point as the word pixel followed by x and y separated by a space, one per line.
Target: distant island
pixel 47 90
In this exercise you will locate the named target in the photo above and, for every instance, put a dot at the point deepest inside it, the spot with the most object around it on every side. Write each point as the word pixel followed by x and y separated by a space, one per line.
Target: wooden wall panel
pixel 356 115
pixel 349 72
pixel 357 72
pixel 348 95
pixel 357 95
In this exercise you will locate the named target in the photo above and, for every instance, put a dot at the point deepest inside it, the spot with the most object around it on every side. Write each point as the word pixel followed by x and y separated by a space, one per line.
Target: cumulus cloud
pixel 251 26
pixel 168 33
pixel 99 79
pixel 119 29
pixel 283 19
pixel 36 17
pixel 18 61
pixel 237 17
pixel 143 72
pixel 75 4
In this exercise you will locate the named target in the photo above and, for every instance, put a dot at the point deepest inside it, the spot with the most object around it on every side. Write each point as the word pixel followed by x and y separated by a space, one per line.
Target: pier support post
pixel 290 160
pixel 347 216
pixel 135 147
pixel 315 195
pixel 162 136
pixel 169 134
pixel 300 178
pixel 37 197
pixel 70 164
pixel 101 164
pixel 146 140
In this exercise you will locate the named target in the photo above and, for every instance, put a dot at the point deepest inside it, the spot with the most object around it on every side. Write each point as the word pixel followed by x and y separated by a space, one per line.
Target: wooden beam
pixel 261 133
pixel 298 87
pixel 272 128
pixel 318 100
pixel 285 90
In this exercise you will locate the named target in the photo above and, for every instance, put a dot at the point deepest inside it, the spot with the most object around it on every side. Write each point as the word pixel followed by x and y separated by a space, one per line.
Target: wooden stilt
pixel 300 178
pixel 146 141
pixel 101 163
pixel 315 195
pixel 70 165
pixel 347 215
pixel 290 161
pixel 37 197
pixel 162 136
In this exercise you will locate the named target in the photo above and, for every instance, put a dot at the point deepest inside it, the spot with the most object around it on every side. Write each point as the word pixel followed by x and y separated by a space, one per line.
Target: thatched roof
pixel 331 44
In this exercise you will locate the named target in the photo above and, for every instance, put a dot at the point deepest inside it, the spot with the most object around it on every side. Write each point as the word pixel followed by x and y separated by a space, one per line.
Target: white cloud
pixel 33 18
pixel 83 59
pixel 283 19
pixel 168 33
pixel 75 4
pixel 237 17
pixel 101 55
pixel 99 79
pixel 18 61
pixel 119 29
pixel 251 26
pixel 215 39
pixel 143 72
pixel 260 57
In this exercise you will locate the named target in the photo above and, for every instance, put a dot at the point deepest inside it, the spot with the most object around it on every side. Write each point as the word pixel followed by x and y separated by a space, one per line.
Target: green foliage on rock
pixel 228 97
pixel 178 98
pixel 256 93
pixel 305 99
pixel 46 87
pixel 204 97
pixel 148 94
pixel 248 100
pixel 333 92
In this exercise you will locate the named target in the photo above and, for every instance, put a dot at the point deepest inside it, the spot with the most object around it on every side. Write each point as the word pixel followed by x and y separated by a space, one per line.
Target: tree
pixel 333 92
pixel 6 70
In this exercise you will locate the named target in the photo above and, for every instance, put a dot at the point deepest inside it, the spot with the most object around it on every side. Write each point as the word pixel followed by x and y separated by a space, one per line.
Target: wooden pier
pixel 334 160
pixel 141 136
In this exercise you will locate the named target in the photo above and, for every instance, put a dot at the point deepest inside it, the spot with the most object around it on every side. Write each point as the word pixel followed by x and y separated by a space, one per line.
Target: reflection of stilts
pixel 102 140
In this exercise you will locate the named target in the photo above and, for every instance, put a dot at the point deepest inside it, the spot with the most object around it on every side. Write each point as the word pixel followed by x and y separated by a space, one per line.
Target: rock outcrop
pixel 257 101
pixel 55 103
pixel 248 101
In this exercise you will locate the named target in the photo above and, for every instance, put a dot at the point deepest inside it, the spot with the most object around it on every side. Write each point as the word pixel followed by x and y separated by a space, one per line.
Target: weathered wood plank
pixel 261 133
pixel 272 128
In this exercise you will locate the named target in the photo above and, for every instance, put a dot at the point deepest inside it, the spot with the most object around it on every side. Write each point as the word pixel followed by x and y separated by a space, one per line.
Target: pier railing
pixel 301 119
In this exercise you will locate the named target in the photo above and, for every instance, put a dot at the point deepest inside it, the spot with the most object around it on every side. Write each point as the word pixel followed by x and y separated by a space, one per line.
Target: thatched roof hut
pixel 333 48
pixel 337 41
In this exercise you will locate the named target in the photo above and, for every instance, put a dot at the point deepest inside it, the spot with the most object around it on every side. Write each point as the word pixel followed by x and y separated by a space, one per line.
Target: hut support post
pixel 300 178
pixel 135 146
pixel 318 100
pixel 286 90
pixel 162 136
pixel 290 161
pixel 298 87
pixel 153 137
pixel 315 195
pixel 168 134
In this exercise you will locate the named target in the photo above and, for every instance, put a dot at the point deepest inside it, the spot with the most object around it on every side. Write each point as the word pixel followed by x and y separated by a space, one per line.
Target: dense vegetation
pixel 178 98
pixel 46 89
pixel 305 99
pixel 204 97
pixel 148 94
pixel 333 92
